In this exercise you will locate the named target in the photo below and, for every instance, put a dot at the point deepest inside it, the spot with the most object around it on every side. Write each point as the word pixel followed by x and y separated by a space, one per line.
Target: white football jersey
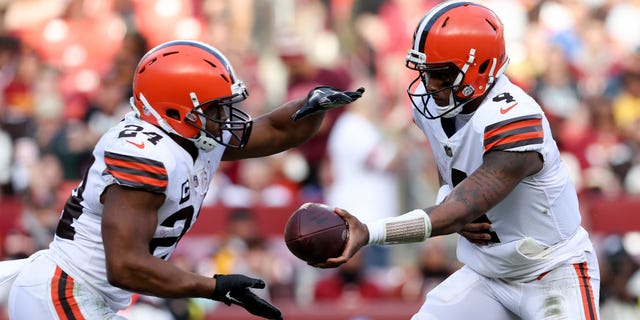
pixel 139 155
pixel 537 226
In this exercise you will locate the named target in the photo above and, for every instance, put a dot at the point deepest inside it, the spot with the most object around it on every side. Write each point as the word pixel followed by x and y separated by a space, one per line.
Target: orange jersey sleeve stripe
pixel 517 140
pixel 138 181
pixel 136 166
pixel 511 120
pixel 512 126
pixel 137 172
pixel 62 296
pixel 588 302
pixel 135 163
pixel 513 133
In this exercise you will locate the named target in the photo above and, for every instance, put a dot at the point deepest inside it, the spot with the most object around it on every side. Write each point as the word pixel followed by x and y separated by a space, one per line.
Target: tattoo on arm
pixel 494 180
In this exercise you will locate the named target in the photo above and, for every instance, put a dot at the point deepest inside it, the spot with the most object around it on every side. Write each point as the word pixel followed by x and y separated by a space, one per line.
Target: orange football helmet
pixel 461 37
pixel 176 83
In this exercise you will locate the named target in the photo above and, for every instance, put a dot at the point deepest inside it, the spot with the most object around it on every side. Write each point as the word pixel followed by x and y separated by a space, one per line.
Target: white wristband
pixel 413 226
pixel 376 232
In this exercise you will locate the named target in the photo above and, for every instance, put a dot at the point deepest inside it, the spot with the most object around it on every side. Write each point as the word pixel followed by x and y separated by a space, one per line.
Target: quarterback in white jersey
pixel 509 120
pixel 145 184
pixel 504 187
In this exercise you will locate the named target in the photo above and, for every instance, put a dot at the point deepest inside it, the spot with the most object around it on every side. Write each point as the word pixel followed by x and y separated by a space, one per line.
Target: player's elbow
pixel 114 276
pixel 115 281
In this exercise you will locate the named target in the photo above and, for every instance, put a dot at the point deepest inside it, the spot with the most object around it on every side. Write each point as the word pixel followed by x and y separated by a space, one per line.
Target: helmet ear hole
pixel 483 67
pixel 173 113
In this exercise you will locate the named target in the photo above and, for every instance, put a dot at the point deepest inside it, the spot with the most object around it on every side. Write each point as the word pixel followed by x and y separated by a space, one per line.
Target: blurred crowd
pixel 65 77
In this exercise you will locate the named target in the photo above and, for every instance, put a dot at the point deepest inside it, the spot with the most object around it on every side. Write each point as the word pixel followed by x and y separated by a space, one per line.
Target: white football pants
pixel 568 292
pixel 43 291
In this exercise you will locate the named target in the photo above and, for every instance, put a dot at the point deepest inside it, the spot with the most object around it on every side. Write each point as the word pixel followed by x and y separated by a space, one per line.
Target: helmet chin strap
pixel 148 108
pixel 456 109
pixel 452 110
pixel 202 140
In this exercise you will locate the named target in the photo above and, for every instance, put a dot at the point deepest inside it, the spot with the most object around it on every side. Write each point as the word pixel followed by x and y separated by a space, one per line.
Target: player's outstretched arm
pixel 487 186
pixel 292 123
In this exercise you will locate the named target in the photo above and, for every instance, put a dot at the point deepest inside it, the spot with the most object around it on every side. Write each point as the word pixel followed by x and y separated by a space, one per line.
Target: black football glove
pixel 323 98
pixel 234 289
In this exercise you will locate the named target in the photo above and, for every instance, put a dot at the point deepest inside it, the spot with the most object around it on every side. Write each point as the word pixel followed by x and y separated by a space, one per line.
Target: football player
pixel 504 186
pixel 145 185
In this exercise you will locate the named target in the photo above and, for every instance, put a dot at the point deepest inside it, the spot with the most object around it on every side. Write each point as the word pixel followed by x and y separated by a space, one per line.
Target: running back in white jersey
pixel 139 155
pixel 537 226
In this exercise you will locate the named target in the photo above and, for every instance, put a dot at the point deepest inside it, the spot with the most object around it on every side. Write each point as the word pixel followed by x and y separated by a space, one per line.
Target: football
pixel 315 233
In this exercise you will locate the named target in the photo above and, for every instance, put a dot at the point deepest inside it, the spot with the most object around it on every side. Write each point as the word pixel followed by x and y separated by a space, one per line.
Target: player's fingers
pixel 477 238
pixel 355 95
pixel 349 251
pixel 330 263
pixel 321 265
pixel 258 284
pixel 341 212
pixel 476 235
pixel 479 242
pixel 476 227
pixel 346 216
pixel 337 261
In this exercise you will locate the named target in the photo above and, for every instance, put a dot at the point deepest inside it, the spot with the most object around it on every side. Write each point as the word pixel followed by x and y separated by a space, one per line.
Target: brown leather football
pixel 315 233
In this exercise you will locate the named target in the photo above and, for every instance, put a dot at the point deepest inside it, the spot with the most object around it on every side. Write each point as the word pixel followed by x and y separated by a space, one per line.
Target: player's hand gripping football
pixel 358 238
pixel 323 98
pixel 234 288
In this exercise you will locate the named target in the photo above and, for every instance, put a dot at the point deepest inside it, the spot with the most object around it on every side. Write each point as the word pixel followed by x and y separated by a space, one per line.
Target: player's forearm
pixel 157 277
pixel 297 131
pixel 413 226
pixel 417 225
pixel 472 198
pixel 449 217
pixel 275 132
pixel 469 200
